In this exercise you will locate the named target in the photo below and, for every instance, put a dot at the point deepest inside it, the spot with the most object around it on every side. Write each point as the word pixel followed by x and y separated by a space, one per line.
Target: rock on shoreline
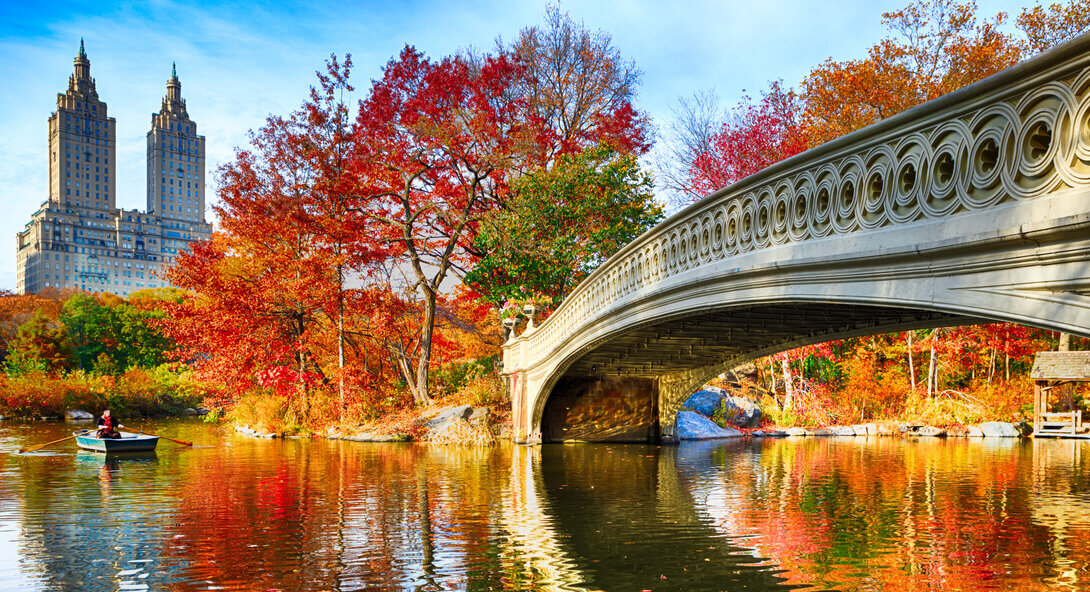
pixel 78 415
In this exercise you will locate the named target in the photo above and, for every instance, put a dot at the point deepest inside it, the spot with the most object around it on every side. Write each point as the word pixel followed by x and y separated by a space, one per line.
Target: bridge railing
pixel 1017 135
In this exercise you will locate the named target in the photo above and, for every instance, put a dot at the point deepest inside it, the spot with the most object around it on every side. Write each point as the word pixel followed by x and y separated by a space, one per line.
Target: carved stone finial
pixel 509 326
pixel 531 311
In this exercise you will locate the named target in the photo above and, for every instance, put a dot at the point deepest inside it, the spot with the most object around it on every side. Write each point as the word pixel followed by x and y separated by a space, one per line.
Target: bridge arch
pixel 974 207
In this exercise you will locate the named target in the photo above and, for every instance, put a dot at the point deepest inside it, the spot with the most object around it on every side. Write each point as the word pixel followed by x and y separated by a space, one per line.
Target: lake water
pixel 817 513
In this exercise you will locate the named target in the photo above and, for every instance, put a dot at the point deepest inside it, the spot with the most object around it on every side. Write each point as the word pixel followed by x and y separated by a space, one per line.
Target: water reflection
pixel 846 514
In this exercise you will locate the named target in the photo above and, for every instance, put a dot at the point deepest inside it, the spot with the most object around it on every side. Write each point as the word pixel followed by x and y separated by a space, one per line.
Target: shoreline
pixel 453 416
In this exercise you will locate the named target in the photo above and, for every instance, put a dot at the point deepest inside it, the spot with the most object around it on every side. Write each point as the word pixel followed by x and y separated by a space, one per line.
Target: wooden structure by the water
pixel 1050 370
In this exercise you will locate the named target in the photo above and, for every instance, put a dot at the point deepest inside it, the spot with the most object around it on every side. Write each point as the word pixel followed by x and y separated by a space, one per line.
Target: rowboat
pixel 128 442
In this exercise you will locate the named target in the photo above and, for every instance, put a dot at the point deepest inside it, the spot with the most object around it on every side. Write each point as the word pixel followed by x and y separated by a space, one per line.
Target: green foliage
pixel 561 224
pixel 91 329
pixel 103 335
pixel 454 377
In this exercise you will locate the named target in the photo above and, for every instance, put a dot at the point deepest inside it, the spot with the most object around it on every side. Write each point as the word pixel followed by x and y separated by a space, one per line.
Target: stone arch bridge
pixel 974 207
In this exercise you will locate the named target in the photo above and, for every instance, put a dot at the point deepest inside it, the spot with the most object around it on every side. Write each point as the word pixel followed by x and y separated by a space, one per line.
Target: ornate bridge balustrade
pixel 973 207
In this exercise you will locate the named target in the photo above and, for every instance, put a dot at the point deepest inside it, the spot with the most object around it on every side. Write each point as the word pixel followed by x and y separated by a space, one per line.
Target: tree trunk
pixel 931 369
pixel 1064 343
pixel 772 376
pixel 991 365
pixel 301 361
pixel 420 391
pixel 788 384
pixel 340 335
pixel 911 368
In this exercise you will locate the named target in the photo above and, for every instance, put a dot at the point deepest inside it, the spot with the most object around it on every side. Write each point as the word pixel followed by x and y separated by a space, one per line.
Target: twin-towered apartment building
pixel 79 238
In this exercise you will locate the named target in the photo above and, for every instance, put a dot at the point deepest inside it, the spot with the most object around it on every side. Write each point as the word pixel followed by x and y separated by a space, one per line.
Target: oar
pixel 182 442
pixel 40 446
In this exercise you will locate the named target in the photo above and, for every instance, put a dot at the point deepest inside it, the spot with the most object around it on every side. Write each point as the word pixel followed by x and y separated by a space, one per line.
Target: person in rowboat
pixel 108 426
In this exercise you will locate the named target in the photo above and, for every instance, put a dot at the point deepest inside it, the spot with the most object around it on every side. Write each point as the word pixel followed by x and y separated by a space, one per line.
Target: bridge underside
pixel 630 388
pixel 682 344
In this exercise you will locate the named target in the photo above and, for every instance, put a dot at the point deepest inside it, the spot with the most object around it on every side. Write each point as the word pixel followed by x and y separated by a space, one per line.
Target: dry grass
pixel 461 433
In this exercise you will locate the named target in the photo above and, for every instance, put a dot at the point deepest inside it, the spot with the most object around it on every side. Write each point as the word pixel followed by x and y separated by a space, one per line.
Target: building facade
pixel 79 238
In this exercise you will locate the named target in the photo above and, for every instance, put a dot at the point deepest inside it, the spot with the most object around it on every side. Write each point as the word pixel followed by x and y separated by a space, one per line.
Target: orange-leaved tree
pixel 937 47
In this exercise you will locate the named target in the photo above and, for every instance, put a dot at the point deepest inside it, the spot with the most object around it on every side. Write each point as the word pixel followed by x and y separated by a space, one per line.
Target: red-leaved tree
pixel 756 136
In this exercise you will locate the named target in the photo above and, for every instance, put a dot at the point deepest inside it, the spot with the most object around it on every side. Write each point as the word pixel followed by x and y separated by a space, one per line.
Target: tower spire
pixel 82 52
pixel 173 70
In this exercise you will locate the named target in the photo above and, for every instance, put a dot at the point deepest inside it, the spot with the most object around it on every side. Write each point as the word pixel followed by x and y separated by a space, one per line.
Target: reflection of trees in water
pixel 350 516
pixel 936 514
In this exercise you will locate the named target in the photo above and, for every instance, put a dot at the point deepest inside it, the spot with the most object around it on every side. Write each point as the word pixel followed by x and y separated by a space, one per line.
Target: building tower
pixel 77 238
pixel 175 160
pixel 81 144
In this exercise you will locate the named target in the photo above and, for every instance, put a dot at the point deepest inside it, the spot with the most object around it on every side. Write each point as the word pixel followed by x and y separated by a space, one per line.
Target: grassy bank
pixel 138 392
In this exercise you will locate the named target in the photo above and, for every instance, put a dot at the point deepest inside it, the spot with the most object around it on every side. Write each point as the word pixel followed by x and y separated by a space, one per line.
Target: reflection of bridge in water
pixel 973 207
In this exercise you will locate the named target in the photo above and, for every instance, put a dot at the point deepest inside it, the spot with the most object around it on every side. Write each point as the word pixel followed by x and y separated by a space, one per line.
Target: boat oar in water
pixel 40 446
pixel 182 442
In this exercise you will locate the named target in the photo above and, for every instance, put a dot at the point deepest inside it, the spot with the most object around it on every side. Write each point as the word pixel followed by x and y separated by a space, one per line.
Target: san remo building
pixel 79 238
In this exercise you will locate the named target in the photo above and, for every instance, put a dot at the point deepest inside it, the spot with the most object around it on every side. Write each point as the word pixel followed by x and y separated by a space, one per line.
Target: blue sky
pixel 240 61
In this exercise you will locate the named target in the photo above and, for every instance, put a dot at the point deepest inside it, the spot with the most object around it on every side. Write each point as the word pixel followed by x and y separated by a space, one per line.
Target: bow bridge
pixel 971 208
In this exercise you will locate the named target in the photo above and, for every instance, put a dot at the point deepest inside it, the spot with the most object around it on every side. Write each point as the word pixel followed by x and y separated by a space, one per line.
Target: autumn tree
pixel 578 83
pixel 436 144
pixel 260 286
pixel 587 196
pixel 40 345
pixel 321 133
pixel 1048 27
pixel 937 47
pixel 756 136
pixel 17 309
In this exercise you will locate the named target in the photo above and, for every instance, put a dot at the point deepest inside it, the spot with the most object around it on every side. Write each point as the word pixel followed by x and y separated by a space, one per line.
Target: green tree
pixel 562 224
pixel 92 329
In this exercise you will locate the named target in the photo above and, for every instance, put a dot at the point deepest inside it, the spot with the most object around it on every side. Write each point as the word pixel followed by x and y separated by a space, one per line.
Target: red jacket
pixel 107 423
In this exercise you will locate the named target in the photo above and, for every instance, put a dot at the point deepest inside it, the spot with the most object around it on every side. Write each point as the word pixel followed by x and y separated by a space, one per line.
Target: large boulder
pixel 449 415
pixel 78 415
pixel 694 426
pixel 865 429
pixel 747 372
pixel 795 431
pixel 931 431
pixel 738 411
pixel 999 429
pixel 706 401
pixel 842 430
